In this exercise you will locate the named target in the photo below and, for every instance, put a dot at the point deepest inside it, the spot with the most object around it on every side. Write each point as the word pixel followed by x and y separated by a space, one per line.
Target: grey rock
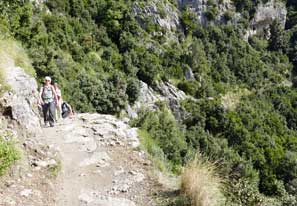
pixel 170 92
pixel 137 176
pixel 189 74
pixel 44 163
pixel 85 198
pixel 264 17
pixel 132 136
pixel 96 158
pixel 26 192
pixel 20 104
pixel 109 201
pixel 162 13
pixel 164 92
pixel 89 146
pixel 199 7
pixel 131 113
pixel 9 201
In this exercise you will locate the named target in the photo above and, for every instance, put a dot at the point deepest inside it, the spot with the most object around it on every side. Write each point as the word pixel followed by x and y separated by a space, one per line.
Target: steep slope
pixel 232 58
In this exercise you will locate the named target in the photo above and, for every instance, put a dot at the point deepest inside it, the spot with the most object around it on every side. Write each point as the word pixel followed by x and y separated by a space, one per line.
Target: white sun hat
pixel 48 78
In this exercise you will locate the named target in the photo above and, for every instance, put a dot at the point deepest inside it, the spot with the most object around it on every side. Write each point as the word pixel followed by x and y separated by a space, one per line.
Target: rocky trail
pixel 98 163
pixel 93 161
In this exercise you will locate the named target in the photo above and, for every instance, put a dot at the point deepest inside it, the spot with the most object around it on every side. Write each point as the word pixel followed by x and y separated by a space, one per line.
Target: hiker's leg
pixel 51 113
pixel 45 110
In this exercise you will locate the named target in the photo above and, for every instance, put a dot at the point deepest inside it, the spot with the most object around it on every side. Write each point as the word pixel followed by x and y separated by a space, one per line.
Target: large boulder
pixel 19 104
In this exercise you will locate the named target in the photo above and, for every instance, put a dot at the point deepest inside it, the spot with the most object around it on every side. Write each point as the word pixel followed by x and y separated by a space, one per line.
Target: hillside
pixel 214 77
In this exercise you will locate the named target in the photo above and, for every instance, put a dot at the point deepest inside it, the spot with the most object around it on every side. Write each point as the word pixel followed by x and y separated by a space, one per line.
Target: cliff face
pixel 166 15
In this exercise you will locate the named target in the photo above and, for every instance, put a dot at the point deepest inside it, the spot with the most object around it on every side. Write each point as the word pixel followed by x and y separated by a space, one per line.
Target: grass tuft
pixel 8 154
pixel 12 54
pixel 201 183
pixel 11 50
pixel 54 170
pixel 150 145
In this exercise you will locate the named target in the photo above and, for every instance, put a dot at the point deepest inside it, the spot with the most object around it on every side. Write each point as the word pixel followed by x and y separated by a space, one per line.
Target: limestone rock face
pixel 162 13
pixel 268 12
pixel 20 103
pixel 163 92
pixel 200 7
pixel 264 17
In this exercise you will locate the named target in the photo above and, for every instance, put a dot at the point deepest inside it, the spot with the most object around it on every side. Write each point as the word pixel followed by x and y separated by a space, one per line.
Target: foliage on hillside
pixel 98 52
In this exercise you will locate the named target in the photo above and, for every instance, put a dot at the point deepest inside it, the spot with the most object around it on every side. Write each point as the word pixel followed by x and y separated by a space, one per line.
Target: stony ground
pixel 91 159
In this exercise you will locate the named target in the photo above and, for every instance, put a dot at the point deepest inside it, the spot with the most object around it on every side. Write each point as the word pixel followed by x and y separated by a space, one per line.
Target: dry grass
pixel 201 183
pixel 13 54
pixel 232 98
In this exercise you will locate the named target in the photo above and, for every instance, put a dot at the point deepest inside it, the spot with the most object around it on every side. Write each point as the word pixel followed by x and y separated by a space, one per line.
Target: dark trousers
pixel 49 112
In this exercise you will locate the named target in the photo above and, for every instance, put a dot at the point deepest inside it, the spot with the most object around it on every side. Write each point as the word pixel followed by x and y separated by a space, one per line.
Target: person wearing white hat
pixel 47 98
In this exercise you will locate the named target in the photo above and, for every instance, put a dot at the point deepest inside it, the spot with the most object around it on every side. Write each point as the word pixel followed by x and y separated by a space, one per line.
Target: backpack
pixel 65 110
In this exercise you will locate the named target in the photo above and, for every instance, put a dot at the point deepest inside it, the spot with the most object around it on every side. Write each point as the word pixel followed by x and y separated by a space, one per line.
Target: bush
pixel 201 183
pixel 244 192
pixel 8 154
pixel 133 90
pixel 189 87
pixel 166 132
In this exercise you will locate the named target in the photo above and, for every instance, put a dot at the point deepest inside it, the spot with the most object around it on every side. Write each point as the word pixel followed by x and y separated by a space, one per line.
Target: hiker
pixel 48 98
pixel 58 113
pixel 66 110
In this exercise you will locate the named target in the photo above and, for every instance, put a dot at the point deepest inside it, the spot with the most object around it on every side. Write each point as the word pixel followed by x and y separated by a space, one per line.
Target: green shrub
pixel 189 87
pixel 133 90
pixel 228 15
pixel 188 20
pixel 8 154
pixel 164 129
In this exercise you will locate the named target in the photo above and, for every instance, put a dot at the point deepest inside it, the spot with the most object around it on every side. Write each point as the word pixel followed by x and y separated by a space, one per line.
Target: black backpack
pixel 65 110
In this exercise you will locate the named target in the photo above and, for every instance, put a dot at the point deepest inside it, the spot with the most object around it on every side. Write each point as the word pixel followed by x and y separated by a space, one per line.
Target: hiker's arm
pixel 40 101
pixel 55 94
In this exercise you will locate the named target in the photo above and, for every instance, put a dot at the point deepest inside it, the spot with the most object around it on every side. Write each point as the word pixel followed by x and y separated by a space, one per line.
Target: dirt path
pixel 99 166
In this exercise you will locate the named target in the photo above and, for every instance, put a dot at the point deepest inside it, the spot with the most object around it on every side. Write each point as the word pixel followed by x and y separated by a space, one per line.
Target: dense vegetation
pixel 98 52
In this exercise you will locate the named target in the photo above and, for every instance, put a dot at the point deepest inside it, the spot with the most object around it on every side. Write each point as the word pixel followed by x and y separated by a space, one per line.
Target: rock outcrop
pixel 19 104
pixel 264 17
pixel 163 92
pixel 201 7
pixel 161 13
